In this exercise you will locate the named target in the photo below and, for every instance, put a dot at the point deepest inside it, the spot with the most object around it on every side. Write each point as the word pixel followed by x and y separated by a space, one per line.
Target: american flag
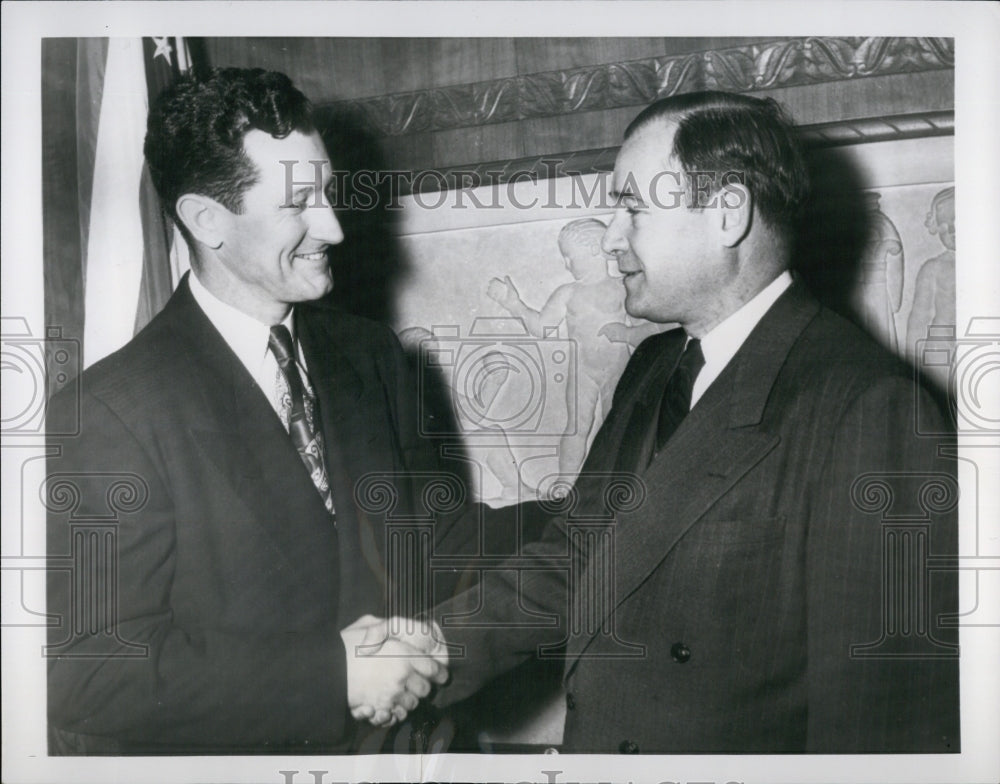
pixel 128 253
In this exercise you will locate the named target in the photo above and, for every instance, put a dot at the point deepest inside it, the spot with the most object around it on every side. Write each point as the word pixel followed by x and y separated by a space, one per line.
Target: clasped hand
pixel 391 664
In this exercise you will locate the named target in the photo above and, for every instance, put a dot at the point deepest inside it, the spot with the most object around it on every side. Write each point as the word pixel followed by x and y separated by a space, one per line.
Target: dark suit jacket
pixel 230 582
pixel 753 565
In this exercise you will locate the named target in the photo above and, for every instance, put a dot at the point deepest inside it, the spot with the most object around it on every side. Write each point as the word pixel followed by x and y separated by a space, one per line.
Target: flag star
pixel 162 48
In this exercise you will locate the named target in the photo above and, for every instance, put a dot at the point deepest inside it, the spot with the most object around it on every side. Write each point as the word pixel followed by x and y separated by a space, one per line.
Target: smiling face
pixel 274 253
pixel 665 250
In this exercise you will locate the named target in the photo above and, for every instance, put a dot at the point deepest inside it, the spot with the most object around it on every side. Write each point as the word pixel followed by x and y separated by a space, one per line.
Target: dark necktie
pixel 677 396
pixel 302 415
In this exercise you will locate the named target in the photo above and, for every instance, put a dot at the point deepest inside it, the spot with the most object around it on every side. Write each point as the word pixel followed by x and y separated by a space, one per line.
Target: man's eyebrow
pixel 627 195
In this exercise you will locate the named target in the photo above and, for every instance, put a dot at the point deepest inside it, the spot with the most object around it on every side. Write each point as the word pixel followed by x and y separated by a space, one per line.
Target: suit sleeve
pixel 497 639
pixel 485 625
pixel 882 671
pixel 493 637
pixel 120 665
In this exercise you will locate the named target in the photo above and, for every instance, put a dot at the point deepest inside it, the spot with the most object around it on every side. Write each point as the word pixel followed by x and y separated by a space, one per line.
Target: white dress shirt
pixel 721 344
pixel 248 339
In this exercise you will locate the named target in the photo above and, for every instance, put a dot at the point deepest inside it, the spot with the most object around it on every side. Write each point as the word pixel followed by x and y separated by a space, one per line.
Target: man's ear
pixel 204 218
pixel 735 213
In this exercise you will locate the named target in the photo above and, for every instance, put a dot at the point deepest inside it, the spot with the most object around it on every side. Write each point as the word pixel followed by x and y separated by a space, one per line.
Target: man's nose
pixel 324 226
pixel 613 242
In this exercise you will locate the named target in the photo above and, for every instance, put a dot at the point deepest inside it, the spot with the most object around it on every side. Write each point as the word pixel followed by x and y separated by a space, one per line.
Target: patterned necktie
pixel 677 396
pixel 298 412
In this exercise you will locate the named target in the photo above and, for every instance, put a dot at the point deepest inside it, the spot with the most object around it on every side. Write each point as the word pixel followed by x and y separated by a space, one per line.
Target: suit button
pixel 680 652
pixel 551 750
pixel 570 701
pixel 628 747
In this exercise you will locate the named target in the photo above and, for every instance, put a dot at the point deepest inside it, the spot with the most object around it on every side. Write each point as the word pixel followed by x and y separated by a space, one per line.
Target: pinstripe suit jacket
pixel 232 583
pixel 748 572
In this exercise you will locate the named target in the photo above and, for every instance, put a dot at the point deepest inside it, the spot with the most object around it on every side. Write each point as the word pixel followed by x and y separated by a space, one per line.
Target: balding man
pixel 747 604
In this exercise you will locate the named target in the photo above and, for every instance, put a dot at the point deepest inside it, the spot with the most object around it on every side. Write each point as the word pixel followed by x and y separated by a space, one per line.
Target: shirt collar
pixel 246 336
pixel 720 345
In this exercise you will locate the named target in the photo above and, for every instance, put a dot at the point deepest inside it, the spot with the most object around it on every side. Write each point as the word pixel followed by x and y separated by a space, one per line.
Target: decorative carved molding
pixel 542 167
pixel 879 129
pixel 783 63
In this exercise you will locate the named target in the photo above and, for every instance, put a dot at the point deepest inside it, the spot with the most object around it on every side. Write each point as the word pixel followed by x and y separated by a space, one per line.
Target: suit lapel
pixel 339 391
pixel 358 440
pixel 712 449
pixel 337 382
pixel 235 426
pixel 636 441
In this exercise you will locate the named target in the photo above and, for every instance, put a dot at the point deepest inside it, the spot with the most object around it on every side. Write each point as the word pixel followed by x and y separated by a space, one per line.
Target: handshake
pixel 391 664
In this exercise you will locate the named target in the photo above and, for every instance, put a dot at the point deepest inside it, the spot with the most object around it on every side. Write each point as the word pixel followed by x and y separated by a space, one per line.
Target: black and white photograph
pixel 501 391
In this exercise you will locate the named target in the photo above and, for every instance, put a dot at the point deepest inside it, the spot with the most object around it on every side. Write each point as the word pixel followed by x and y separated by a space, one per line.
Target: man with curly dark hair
pixel 226 612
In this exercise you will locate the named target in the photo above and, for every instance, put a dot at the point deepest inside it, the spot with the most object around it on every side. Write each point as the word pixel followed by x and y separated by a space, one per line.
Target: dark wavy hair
pixel 194 136
pixel 720 132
